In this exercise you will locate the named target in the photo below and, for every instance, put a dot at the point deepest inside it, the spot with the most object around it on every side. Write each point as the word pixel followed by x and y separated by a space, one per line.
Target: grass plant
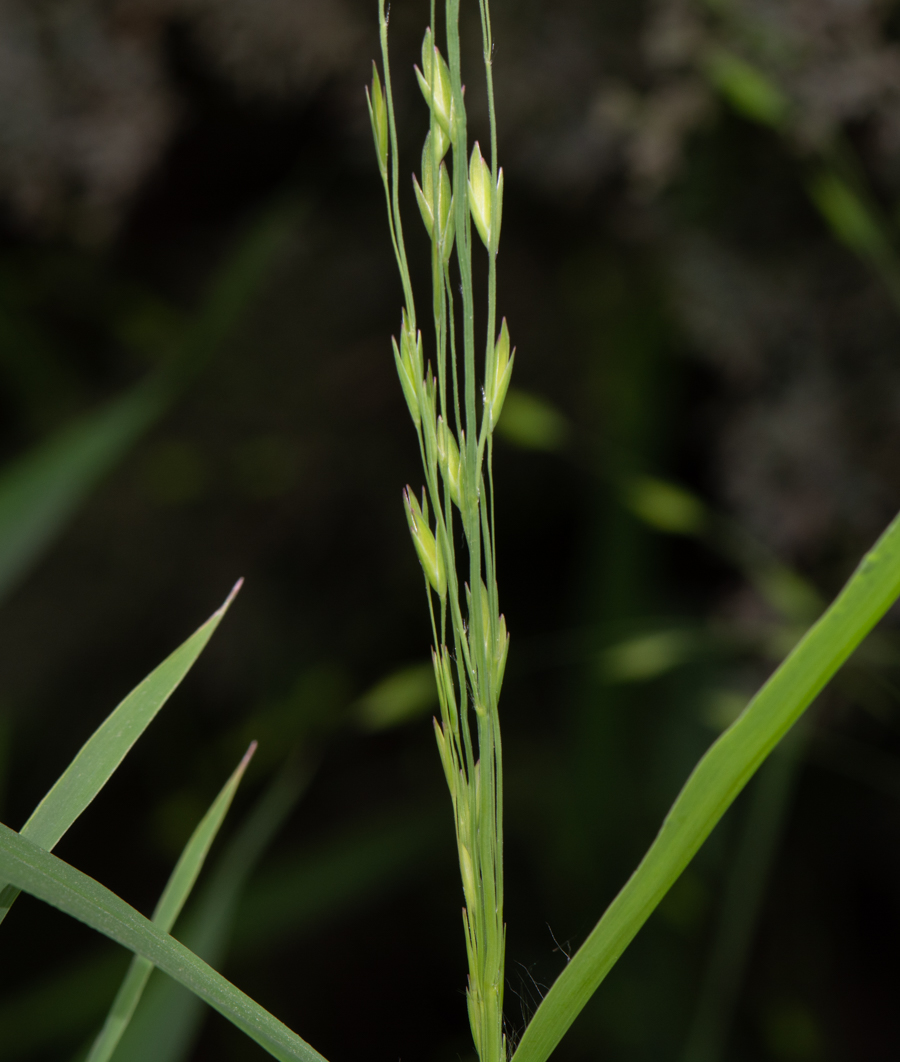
pixel 455 383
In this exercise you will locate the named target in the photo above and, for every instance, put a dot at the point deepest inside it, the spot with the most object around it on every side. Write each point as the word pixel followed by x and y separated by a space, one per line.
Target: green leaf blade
pixel 715 782
pixel 173 898
pixel 35 871
pixel 102 753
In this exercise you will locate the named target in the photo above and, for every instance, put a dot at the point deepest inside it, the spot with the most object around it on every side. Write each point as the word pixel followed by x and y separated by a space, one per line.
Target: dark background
pixel 682 309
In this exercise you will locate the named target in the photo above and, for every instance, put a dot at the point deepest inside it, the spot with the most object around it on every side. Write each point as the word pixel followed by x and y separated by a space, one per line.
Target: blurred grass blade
pixel 109 744
pixel 37 872
pixel 230 290
pixel 40 491
pixel 404 695
pixel 665 506
pixel 849 217
pixel 303 891
pixel 716 780
pixel 169 1017
pixel 747 89
pixel 533 423
pixel 174 895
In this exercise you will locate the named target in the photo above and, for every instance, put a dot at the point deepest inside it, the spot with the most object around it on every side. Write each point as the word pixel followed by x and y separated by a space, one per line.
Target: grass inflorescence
pixel 455 398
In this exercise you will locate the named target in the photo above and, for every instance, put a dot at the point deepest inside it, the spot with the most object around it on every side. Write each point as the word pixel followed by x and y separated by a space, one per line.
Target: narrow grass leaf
pixel 35 871
pixel 231 290
pixel 174 895
pixel 299 894
pixel 715 782
pixel 109 744
pixel 169 1017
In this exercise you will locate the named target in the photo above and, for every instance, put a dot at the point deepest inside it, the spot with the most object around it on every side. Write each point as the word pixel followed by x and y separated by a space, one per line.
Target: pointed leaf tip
pixel 235 590
pixel 248 756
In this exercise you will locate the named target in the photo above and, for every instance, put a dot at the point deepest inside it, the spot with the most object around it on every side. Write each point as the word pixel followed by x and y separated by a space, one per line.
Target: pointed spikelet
pixel 408 359
pixel 434 81
pixel 430 557
pixel 448 459
pixel 501 649
pixel 497 383
pixel 468 876
pixel 425 196
pixel 407 384
pixel 379 119
pixel 411 346
pixel 444 751
pixel 480 199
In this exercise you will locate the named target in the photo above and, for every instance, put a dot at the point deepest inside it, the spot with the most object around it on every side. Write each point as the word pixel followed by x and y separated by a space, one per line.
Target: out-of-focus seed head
pixel 434 81
pixel 379 119
pixel 430 556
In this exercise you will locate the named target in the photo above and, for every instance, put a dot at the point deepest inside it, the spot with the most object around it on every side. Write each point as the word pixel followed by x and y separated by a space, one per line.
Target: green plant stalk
pixel 715 782
pixel 454 442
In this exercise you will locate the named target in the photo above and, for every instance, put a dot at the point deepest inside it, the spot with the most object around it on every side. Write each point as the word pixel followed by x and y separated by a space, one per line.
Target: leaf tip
pixel 248 755
pixel 232 595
